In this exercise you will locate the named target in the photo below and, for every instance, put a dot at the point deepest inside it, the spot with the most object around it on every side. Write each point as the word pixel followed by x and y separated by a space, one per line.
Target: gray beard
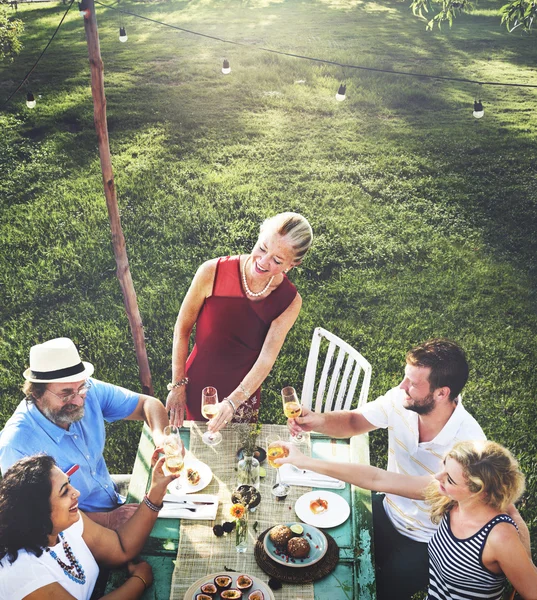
pixel 63 419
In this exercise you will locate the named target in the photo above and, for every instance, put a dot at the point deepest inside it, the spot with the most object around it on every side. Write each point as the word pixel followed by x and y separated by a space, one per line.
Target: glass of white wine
pixel 292 409
pixel 276 450
pixel 209 408
pixel 173 451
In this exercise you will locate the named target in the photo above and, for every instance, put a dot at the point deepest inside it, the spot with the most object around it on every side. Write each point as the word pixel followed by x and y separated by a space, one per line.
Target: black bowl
pixel 259 453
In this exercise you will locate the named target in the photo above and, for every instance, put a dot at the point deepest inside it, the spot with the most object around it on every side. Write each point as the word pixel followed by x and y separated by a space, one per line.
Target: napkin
pixel 203 512
pixel 293 476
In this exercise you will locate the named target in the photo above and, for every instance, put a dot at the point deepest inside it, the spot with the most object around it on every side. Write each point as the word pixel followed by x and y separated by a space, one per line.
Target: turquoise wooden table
pixel 354 576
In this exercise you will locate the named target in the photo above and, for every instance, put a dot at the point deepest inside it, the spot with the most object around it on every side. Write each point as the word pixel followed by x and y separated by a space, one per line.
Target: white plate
pixel 338 510
pixel 181 485
pixel 258 585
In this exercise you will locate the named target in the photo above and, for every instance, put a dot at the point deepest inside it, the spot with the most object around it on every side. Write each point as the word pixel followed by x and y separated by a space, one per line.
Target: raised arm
pixel 152 411
pixel 364 476
pixel 276 335
pixel 338 424
pixel 200 289
pixel 114 548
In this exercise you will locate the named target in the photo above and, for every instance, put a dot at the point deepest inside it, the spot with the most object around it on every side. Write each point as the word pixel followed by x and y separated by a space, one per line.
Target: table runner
pixel 200 552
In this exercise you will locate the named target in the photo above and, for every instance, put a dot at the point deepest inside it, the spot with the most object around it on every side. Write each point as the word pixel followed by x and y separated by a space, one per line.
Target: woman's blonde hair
pixel 295 228
pixel 488 468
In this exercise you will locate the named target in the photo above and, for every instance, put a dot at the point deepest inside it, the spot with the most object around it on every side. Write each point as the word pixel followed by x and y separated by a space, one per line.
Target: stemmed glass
pixel 276 450
pixel 292 409
pixel 209 408
pixel 173 451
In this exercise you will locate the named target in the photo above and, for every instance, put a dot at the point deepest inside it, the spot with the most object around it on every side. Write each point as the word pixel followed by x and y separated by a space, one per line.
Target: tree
pixel 516 13
pixel 10 33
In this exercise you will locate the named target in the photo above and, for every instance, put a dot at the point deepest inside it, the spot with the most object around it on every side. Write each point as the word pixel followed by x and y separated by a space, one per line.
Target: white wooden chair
pixel 334 391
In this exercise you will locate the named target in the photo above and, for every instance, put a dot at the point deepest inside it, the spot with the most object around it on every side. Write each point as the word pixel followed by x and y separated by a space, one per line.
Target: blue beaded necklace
pixel 74 571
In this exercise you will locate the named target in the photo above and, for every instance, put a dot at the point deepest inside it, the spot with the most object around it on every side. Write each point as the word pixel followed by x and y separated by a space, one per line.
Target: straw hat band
pixel 58 373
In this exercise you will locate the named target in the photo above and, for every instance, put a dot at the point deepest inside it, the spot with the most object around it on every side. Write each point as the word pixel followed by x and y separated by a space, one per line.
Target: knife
pixel 170 498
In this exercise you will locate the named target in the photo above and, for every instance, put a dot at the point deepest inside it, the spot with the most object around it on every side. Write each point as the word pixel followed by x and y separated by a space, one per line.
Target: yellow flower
pixel 237 511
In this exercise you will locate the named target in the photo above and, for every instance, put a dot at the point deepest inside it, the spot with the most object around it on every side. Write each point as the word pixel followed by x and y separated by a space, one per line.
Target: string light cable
pixel 39 58
pixel 314 59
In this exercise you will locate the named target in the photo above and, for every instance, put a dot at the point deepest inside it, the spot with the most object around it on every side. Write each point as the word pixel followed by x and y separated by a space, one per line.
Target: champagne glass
pixel 173 451
pixel 209 408
pixel 276 450
pixel 292 409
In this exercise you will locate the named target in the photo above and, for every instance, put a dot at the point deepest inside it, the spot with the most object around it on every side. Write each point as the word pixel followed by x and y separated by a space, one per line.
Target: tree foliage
pixel 516 13
pixel 10 33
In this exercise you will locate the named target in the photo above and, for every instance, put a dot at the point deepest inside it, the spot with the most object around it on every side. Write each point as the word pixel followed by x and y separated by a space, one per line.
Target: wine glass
pixel 209 408
pixel 276 450
pixel 292 409
pixel 173 451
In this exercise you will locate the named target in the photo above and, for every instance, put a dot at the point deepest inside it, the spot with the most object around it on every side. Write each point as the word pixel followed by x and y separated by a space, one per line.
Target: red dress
pixel 230 332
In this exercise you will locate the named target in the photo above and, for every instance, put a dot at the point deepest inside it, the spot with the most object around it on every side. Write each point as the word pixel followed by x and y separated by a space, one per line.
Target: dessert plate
pixel 318 548
pixel 337 509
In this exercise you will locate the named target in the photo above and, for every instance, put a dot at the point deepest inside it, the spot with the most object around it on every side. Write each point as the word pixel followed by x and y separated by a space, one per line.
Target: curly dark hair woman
pixel 25 507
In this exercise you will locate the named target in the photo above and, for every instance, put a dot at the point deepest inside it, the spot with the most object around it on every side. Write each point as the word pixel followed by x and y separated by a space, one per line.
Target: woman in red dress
pixel 242 306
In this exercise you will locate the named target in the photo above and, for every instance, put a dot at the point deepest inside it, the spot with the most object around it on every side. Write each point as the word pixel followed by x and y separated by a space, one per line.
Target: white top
pixel 29 573
pixel 407 455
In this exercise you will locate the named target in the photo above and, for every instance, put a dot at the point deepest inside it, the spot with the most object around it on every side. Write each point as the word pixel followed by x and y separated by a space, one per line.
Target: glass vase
pixel 241 534
pixel 248 471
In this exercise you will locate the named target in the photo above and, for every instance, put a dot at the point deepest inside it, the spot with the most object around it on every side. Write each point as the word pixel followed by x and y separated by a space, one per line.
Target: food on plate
pixel 193 476
pixel 244 582
pixel 297 529
pixel 298 547
pixel 223 582
pixel 231 594
pixel 209 588
pixel 247 495
pixel 203 597
pixel 279 535
pixel 256 595
pixel 318 506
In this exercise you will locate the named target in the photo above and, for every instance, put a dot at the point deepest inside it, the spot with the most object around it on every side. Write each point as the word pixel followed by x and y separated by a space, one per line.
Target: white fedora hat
pixel 56 360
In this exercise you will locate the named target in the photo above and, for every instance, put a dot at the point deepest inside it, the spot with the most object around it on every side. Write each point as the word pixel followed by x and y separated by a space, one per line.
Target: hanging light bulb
pixel 83 9
pixel 226 69
pixel 30 100
pixel 123 35
pixel 340 96
pixel 478 109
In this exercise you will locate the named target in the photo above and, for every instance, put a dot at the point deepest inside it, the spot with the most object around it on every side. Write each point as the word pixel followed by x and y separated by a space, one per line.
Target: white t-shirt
pixel 29 572
pixel 406 455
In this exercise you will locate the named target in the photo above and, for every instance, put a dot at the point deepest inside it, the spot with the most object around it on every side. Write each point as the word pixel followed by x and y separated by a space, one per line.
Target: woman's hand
pixel 292 456
pixel 159 479
pixel 141 569
pixel 175 405
pixel 222 418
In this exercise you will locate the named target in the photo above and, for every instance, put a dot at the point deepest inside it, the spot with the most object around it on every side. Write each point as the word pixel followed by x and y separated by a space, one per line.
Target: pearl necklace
pixel 74 571
pixel 247 289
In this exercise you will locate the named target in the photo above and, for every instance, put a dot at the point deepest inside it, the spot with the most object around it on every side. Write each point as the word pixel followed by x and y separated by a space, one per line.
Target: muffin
pixel 298 547
pixel 280 535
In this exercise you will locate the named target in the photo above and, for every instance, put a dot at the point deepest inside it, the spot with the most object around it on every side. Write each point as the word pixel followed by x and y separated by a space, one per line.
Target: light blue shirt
pixel 29 432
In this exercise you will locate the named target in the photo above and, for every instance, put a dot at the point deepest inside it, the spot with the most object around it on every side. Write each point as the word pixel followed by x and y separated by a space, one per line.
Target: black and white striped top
pixel 456 570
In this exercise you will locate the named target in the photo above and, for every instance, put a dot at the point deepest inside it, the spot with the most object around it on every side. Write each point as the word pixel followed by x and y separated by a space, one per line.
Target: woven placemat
pixel 294 574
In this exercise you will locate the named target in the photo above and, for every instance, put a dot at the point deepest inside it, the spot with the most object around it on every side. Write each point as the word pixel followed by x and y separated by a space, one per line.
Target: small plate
pixel 318 548
pixel 195 588
pixel 259 453
pixel 181 485
pixel 338 510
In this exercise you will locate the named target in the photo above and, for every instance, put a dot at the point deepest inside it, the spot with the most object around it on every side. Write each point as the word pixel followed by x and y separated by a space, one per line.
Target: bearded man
pixel 425 418
pixel 63 415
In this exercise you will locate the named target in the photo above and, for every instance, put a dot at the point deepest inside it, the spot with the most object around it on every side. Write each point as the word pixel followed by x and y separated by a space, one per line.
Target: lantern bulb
pixel 30 100
pixel 340 96
pixel 226 69
pixel 123 37
pixel 478 109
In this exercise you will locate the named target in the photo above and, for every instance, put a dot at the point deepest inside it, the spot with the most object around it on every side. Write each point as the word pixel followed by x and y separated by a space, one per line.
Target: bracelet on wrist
pixel 244 390
pixel 230 404
pixel 141 579
pixel 172 386
pixel 150 505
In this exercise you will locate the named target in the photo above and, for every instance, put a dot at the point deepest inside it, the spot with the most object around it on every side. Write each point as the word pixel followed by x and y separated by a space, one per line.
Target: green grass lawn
pixel 425 218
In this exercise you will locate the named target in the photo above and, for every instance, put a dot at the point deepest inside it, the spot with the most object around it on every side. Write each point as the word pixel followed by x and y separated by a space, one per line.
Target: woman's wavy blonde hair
pixel 488 468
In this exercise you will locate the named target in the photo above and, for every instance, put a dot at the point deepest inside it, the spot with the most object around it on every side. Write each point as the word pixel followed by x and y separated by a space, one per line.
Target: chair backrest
pixel 336 388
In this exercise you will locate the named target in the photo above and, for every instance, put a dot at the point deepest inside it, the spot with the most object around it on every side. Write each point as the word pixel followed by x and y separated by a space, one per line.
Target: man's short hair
pixel 447 362
pixel 33 391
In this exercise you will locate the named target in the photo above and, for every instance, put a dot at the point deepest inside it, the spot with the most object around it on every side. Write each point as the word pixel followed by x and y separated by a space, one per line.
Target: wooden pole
pixel 118 239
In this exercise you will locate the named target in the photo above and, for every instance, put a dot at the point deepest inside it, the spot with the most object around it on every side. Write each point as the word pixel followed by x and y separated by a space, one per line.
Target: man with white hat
pixel 63 415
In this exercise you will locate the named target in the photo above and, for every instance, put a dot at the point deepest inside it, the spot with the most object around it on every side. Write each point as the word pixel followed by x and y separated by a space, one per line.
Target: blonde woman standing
pixel 243 307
